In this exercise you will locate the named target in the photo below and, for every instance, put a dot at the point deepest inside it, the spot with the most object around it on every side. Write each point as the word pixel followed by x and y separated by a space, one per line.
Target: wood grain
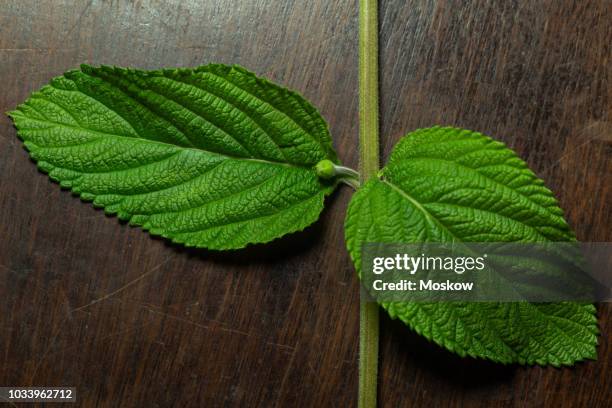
pixel 132 321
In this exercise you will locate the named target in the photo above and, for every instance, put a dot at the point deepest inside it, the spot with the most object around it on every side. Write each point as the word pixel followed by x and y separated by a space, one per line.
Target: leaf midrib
pixel 144 140
pixel 428 216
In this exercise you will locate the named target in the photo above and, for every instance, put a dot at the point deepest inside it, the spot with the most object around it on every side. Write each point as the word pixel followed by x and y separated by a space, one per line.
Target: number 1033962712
pixel 36 394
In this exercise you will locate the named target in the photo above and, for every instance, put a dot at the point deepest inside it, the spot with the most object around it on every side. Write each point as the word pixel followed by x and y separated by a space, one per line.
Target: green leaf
pixel 210 157
pixel 448 185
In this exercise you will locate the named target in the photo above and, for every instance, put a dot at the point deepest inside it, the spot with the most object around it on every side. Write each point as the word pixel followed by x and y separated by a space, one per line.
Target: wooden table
pixel 132 321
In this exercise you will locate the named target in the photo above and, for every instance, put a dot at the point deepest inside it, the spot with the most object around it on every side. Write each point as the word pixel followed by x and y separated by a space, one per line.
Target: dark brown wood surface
pixel 132 321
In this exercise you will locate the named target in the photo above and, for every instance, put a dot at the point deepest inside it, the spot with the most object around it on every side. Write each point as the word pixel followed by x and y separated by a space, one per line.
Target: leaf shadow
pixel 463 372
pixel 276 251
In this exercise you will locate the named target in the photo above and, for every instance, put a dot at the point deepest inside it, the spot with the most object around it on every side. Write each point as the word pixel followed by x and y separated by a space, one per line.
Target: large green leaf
pixel 445 185
pixel 209 157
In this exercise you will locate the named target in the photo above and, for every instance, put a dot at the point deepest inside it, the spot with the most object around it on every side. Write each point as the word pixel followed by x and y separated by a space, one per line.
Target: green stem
pixel 368 167
pixel 368 88
pixel 368 352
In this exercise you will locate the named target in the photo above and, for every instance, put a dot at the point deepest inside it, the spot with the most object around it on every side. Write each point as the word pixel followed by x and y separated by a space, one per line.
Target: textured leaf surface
pixel 444 185
pixel 209 157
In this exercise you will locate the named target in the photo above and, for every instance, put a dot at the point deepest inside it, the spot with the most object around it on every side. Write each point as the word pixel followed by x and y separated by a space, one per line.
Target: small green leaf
pixel 445 185
pixel 210 157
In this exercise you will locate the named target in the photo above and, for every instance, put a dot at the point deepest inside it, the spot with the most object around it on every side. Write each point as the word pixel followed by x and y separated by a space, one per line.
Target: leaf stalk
pixel 348 176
